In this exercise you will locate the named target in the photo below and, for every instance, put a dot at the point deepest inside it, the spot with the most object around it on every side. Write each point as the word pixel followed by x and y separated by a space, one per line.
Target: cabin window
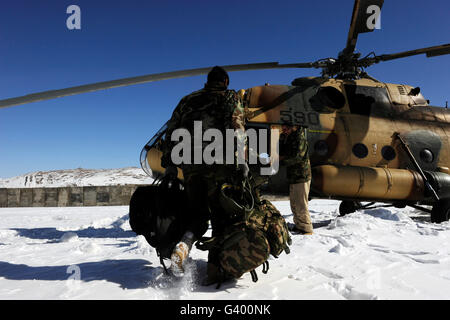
pixel 327 97
pixel 426 155
pixel 365 100
pixel 360 150
pixel 321 148
pixel 388 153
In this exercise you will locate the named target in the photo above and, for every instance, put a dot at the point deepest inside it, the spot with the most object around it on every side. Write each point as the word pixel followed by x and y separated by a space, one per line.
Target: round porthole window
pixel 321 148
pixel 360 150
pixel 426 156
pixel 388 153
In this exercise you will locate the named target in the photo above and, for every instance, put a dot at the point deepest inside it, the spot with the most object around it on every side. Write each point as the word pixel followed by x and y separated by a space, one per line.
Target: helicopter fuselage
pixel 351 124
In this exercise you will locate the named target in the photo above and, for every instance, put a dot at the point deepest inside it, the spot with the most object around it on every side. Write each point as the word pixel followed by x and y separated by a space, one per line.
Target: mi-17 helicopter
pixel 370 141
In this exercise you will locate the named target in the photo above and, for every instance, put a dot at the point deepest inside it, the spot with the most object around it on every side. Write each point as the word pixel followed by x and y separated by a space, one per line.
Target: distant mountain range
pixel 77 178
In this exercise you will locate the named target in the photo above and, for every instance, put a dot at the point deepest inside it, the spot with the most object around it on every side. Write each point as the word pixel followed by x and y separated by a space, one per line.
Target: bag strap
pixel 265 267
pixel 207 243
pixel 264 270
pixel 164 266
pixel 254 276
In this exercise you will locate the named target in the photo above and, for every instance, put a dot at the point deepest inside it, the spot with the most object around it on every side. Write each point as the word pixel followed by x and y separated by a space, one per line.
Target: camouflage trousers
pixel 298 195
pixel 203 196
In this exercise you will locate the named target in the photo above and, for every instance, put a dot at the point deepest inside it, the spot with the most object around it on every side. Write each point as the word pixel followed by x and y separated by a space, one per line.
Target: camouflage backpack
pixel 243 249
pixel 268 219
pixel 260 230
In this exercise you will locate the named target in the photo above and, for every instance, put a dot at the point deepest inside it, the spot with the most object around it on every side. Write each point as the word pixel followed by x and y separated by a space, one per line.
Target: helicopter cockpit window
pixel 155 141
pixel 157 138
pixel 365 100
pixel 327 98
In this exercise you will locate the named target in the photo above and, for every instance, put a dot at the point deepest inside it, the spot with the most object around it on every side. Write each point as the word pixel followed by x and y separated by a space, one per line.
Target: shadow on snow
pixel 129 274
pixel 54 235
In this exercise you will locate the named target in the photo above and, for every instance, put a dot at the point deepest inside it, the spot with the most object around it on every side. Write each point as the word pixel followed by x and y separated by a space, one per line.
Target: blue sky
pixel 107 129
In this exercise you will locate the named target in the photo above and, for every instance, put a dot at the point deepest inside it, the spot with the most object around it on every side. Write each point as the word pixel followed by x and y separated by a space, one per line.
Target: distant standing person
pixel 294 155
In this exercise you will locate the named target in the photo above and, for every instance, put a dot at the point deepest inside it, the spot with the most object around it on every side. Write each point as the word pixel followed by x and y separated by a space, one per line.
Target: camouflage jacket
pixel 294 153
pixel 216 108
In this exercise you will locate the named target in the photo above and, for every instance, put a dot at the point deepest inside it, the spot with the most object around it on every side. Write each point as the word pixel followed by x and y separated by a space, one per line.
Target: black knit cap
pixel 217 74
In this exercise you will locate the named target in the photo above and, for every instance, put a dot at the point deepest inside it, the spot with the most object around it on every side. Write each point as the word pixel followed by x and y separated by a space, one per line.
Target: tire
pixel 347 207
pixel 441 211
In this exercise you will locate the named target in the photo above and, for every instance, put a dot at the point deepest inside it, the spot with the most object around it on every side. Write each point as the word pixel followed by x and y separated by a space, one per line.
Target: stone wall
pixel 67 196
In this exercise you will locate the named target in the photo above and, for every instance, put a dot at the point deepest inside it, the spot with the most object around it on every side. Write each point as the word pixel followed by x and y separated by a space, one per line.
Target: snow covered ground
pixel 91 253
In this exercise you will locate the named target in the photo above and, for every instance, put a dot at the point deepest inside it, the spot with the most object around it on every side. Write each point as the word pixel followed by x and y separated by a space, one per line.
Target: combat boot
pixel 180 254
pixel 178 258
pixel 295 230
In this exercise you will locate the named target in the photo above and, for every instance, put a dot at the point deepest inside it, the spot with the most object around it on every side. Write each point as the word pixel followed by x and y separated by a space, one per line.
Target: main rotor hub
pixel 347 66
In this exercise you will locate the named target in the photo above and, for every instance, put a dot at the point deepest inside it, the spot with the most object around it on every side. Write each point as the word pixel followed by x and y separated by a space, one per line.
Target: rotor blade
pixel 46 95
pixel 430 52
pixel 366 15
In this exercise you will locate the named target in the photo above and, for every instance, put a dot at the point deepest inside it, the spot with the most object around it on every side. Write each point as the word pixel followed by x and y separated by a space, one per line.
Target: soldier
pixel 294 155
pixel 217 108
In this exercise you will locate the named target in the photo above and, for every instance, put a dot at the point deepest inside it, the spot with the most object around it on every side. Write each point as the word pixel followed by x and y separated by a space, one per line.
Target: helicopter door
pixel 262 139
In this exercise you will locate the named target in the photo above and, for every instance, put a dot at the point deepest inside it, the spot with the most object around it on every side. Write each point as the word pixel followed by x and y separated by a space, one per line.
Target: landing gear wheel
pixel 347 207
pixel 441 211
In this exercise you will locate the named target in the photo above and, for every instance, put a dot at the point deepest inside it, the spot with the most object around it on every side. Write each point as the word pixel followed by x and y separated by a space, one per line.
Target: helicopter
pixel 370 141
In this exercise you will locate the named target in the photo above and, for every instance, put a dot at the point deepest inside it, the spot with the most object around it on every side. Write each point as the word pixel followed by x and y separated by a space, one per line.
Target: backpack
pixel 267 218
pixel 247 243
pixel 240 248
pixel 155 215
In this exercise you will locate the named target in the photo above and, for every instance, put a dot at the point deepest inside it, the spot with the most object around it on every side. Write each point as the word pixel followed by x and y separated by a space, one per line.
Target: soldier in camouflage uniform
pixel 294 155
pixel 217 108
